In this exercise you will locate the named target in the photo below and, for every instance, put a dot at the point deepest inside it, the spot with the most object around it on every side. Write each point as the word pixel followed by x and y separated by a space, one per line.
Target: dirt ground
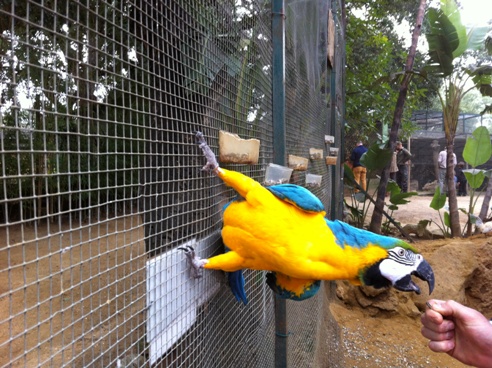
pixel 75 287
pixel 393 340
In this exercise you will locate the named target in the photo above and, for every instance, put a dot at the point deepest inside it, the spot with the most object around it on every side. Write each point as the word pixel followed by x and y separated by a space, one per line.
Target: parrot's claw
pixel 195 262
pixel 212 164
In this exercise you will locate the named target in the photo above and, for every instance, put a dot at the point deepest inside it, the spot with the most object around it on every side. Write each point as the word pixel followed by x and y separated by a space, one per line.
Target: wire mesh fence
pixel 429 140
pixel 101 181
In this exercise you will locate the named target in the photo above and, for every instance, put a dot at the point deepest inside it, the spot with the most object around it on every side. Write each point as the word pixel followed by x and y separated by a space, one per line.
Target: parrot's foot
pixel 195 262
pixel 212 164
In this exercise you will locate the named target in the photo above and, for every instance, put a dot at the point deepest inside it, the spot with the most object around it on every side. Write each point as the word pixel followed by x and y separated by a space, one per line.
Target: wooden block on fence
pixel 329 139
pixel 331 160
pixel 315 153
pixel 298 163
pixel 233 149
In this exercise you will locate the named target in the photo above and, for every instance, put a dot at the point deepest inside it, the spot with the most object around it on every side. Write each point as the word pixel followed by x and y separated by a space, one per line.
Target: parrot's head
pixel 397 269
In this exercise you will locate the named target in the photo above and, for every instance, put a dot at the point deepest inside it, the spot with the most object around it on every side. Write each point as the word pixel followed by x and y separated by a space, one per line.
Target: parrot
pixel 282 229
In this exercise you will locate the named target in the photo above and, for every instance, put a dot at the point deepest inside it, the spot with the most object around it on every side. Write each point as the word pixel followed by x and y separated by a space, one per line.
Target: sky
pixel 476 12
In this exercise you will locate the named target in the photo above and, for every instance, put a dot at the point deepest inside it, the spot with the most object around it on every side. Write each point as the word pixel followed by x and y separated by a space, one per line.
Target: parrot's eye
pixel 401 252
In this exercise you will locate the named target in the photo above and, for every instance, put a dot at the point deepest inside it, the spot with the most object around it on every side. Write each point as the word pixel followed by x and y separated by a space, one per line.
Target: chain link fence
pixel 101 181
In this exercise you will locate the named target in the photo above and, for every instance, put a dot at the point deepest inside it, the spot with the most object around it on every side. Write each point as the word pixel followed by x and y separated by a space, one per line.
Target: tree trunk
pixel 452 200
pixel 377 216
pixel 486 201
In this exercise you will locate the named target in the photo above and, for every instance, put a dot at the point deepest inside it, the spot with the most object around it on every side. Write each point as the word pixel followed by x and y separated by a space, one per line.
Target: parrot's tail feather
pixel 236 283
pixel 212 164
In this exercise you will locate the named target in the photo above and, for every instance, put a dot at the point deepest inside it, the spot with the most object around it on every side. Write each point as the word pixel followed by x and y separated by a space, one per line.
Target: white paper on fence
pixel 173 297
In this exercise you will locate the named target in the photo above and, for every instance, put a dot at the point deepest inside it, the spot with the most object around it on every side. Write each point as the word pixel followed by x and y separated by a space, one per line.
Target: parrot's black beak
pixel 424 272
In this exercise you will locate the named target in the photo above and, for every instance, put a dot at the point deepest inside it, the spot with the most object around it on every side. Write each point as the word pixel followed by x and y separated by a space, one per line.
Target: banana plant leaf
pixel 376 158
pixel 478 148
pixel 439 200
pixel 475 177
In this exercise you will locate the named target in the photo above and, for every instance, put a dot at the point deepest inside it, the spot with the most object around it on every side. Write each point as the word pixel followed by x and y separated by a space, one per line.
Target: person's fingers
pixel 434 335
pixel 435 321
pixel 441 346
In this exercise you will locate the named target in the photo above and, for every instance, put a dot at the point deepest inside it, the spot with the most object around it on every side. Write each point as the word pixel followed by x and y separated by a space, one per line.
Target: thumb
pixel 452 309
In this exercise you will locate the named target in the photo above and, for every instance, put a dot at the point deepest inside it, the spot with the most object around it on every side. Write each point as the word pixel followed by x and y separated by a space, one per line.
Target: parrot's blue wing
pixel 359 238
pixel 236 283
pixel 298 196
pixel 309 289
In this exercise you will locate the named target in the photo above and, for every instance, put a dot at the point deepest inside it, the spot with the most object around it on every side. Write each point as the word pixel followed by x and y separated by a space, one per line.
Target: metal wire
pixel 100 177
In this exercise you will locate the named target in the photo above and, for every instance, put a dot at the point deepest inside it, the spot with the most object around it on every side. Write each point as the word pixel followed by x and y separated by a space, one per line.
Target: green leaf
pixel 441 44
pixel 438 200
pixel 477 37
pixel 393 188
pixel 376 158
pixel 348 174
pixel 424 223
pixel 488 45
pixel 451 11
pixel 392 207
pixel 360 197
pixel 475 177
pixel 482 78
pixel 447 219
pixel 478 148
pixel 401 198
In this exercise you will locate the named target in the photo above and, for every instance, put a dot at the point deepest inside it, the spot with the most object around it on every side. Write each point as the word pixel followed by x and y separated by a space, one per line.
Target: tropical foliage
pixel 449 45
pixel 375 50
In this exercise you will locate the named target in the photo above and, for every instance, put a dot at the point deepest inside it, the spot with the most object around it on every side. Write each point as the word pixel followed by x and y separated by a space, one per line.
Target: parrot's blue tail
pixel 236 282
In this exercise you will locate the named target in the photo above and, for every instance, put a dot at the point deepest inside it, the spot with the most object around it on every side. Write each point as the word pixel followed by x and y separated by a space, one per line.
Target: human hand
pixel 462 332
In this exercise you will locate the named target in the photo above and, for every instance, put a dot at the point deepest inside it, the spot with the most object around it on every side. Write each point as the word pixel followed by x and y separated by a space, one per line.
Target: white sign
pixel 173 297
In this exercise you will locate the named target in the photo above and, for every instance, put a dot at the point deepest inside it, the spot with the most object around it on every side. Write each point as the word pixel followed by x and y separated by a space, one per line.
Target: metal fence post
pixel 279 153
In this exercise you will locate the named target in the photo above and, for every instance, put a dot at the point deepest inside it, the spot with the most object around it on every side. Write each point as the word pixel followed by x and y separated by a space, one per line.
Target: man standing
pixel 460 175
pixel 402 158
pixel 442 163
pixel 360 172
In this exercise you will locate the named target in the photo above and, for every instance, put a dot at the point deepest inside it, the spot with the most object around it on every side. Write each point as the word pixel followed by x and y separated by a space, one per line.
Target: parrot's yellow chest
pixel 271 234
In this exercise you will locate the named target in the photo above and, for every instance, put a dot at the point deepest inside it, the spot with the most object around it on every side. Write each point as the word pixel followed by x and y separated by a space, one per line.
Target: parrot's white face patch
pixel 400 262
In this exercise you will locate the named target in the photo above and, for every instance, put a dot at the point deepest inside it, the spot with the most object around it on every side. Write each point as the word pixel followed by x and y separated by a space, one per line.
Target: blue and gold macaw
pixel 282 229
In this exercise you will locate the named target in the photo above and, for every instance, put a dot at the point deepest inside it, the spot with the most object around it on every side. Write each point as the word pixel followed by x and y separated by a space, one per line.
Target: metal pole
pixel 279 154
pixel 278 87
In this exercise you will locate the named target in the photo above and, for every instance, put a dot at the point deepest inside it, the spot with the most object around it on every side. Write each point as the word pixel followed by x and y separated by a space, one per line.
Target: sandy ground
pixel 75 289
pixel 395 341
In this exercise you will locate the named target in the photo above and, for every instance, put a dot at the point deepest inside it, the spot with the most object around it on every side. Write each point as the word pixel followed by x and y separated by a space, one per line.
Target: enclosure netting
pixel 101 180
pixel 429 139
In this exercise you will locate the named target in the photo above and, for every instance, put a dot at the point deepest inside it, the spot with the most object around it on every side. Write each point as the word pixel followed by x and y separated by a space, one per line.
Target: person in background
pixel 402 158
pixel 442 162
pixel 460 175
pixel 360 172
pixel 463 333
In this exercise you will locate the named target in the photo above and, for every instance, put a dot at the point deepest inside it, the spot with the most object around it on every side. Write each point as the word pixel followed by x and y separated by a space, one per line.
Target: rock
pixel 452 269
pixel 430 187
pixel 464 276
pixel 418 230
pixel 376 302
pixel 477 288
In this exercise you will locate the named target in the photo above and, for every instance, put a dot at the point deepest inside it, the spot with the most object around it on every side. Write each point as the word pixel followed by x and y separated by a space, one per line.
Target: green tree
pixel 376 50
pixel 376 220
